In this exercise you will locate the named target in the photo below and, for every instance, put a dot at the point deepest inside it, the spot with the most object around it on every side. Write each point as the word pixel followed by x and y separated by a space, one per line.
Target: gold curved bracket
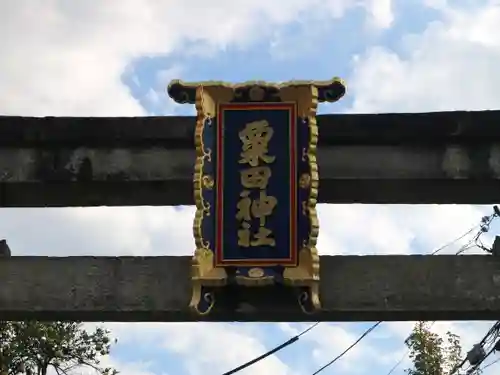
pixel 203 273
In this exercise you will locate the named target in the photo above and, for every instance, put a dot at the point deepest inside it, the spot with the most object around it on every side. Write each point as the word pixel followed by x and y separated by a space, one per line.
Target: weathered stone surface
pixel 353 288
pixel 448 157
pixel 162 164
pixel 178 131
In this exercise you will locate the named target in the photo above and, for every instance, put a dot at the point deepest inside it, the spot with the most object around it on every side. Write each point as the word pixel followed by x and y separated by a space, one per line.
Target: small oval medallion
pixel 256 272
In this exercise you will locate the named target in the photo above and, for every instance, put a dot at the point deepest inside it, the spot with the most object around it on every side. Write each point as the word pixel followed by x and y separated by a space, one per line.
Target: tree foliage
pixel 430 353
pixel 34 347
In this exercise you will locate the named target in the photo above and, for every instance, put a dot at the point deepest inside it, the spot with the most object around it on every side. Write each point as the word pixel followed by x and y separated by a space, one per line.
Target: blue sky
pixel 116 57
pixel 326 50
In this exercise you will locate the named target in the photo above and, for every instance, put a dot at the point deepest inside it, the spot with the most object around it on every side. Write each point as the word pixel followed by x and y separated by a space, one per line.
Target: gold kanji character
pixel 259 208
pixel 263 206
pixel 244 235
pixel 262 238
pixel 255 177
pixel 255 138
pixel 244 206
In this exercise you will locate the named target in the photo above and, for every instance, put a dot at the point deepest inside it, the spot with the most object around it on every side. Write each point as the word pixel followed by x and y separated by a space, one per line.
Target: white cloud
pixel 239 347
pixel 199 346
pixel 99 231
pixel 383 229
pixel 381 14
pixel 452 65
pixel 67 58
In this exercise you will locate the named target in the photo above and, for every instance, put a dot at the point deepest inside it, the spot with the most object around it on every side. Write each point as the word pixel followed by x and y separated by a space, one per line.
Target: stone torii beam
pixel 443 157
pixel 448 157
pixel 353 288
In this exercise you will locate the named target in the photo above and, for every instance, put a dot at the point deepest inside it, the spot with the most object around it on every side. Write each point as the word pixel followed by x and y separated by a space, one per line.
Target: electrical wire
pixel 378 323
pixel 398 362
pixel 455 240
pixel 491 364
pixel 476 366
pixel 295 338
pixel 483 227
pixel 493 331
pixel 272 351
pixel 489 338
pixel 349 348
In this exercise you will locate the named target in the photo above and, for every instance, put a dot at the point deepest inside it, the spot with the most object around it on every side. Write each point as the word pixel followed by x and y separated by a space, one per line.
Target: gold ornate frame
pixel 207 96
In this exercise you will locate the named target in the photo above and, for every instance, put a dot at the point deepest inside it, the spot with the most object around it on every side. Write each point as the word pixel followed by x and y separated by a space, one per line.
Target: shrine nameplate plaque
pixel 256 185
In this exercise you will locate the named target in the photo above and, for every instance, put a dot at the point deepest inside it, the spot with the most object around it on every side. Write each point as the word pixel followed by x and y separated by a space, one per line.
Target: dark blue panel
pixel 279 183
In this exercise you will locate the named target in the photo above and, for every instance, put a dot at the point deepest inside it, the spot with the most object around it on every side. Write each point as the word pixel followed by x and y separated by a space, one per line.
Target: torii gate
pixel 447 157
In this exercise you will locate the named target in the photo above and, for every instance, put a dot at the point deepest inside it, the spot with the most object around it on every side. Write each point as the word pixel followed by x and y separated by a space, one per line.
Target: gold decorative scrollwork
pixel 305 181
pixel 206 208
pixel 202 304
pixel 309 300
pixel 208 182
pixel 207 154
pixel 203 274
pixel 304 154
pixel 306 274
